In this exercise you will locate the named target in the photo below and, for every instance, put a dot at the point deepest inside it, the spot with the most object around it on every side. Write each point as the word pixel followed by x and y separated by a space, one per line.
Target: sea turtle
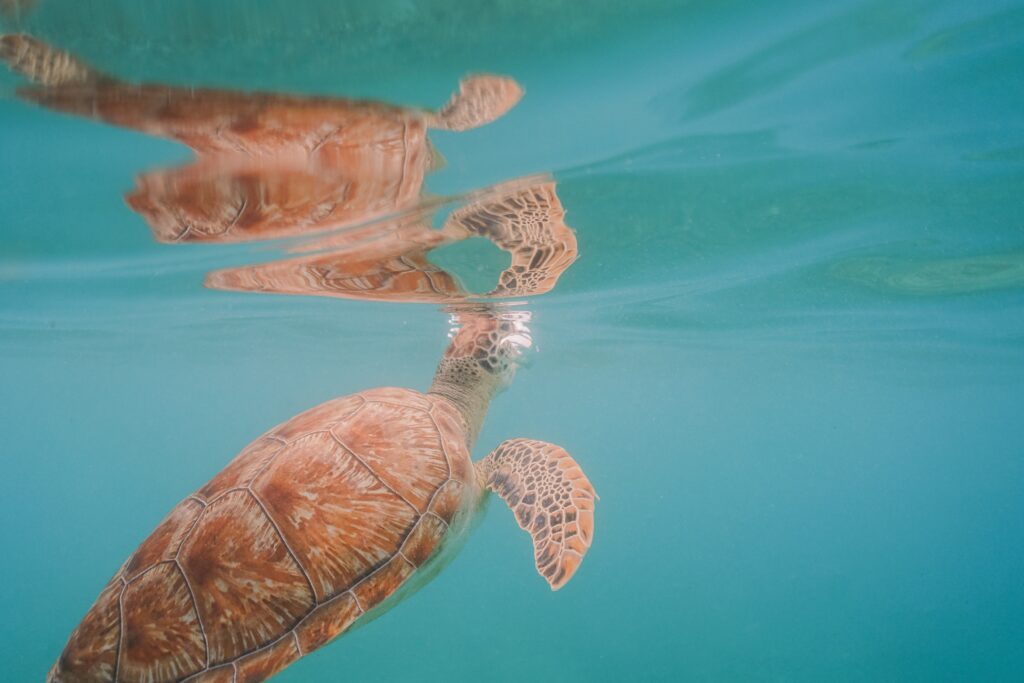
pixel 387 261
pixel 326 520
pixel 269 165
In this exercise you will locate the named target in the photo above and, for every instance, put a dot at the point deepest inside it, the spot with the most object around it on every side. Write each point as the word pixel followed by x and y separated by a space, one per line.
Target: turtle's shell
pixel 306 530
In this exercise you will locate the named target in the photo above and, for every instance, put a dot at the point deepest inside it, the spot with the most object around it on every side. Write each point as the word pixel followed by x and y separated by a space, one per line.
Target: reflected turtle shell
pixel 271 165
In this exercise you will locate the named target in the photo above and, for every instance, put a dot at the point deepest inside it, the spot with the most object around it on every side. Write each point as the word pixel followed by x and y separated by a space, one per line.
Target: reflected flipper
pixel 480 100
pixel 551 498
pixel 43 64
pixel 383 262
pixel 529 224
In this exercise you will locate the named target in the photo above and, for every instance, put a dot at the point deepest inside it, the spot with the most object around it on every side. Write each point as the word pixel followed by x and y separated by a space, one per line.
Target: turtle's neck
pixel 468 386
pixel 479 360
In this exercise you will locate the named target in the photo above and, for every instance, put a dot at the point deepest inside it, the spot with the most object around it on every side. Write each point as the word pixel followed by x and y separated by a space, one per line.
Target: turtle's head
pixel 486 348
pixel 490 342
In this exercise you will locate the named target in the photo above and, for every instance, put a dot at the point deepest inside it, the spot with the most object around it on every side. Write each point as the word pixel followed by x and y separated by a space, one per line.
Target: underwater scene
pixel 513 341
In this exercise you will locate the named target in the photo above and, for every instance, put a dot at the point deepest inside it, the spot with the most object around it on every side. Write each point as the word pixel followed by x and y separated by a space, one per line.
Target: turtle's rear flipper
pixel 480 100
pixel 551 498
pixel 43 64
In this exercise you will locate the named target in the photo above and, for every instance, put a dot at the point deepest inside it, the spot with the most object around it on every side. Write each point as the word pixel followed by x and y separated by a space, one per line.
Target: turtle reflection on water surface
pixel 269 165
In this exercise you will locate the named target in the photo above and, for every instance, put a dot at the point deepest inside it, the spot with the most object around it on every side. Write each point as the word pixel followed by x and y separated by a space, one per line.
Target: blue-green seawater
pixel 790 356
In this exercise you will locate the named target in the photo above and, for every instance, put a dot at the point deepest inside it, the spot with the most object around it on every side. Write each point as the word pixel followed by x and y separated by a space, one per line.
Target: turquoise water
pixel 789 357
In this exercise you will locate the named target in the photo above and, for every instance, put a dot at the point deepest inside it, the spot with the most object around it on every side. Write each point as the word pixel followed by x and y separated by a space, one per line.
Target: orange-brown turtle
pixel 327 519
pixel 269 165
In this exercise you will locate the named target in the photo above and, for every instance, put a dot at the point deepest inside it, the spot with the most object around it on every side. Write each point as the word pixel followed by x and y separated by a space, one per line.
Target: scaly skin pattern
pixel 552 500
pixel 310 527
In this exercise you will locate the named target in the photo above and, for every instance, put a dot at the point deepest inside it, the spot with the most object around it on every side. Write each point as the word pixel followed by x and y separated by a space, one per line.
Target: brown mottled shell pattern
pixel 306 530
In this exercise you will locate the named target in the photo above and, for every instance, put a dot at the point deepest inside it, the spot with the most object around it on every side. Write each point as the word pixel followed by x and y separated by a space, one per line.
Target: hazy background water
pixel 790 356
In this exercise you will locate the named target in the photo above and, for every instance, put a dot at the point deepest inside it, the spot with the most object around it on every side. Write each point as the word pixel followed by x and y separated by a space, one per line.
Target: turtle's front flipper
pixel 480 100
pixel 551 498
pixel 44 64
